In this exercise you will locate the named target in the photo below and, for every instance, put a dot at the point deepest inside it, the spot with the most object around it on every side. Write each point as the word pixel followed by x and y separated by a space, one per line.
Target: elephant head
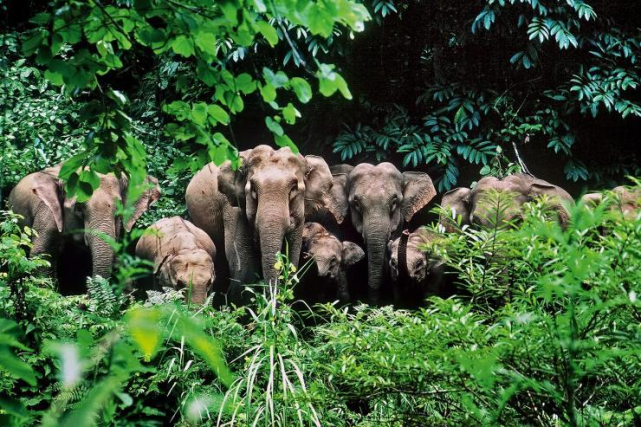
pixel 418 261
pixel 92 221
pixel 379 200
pixel 499 201
pixel 332 257
pixel 191 269
pixel 274 188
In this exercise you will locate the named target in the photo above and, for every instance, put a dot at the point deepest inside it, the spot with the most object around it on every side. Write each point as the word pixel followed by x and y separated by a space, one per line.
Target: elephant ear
pixel 559 198
pixel 146 199
pixel 232 182
pixel 318 184
pixel 538 187
pixel 352 253
pixel 456 202
pixel 48 188
pixel 418 190
pixel 339 196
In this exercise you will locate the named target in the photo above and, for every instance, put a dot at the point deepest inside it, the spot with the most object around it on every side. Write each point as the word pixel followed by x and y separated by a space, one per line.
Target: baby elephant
pixel 332 258
pixel 183 257
pixel 417 274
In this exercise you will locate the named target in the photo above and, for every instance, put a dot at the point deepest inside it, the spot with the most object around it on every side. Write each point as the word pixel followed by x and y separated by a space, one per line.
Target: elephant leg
pixel 242 259
pixel 342 288
pixel 398 295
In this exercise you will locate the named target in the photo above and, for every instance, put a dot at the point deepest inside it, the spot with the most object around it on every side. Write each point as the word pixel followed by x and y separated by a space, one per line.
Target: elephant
pixel 416 273
pixel 40 199
pixel 626 200
pixel 379 200
pixel 477 206
pixel 250 211
pixel 332 259
pixel 183 257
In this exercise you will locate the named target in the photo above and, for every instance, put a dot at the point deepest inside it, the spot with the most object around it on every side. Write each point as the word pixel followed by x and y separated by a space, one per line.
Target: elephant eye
pixel 357 205
pixel 254 194
pixel 393 206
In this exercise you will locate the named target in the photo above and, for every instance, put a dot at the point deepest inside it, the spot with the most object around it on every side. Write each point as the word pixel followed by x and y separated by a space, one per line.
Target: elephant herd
pixel 348 220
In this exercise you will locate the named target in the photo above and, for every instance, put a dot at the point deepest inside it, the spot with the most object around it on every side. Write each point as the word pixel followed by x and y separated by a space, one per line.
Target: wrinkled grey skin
pixel 425 271
pixel 253 210
pixel 475 207
pixel 183 256
pixel 40 200
pixel 379 200
pixel 627 200
pixel 332 258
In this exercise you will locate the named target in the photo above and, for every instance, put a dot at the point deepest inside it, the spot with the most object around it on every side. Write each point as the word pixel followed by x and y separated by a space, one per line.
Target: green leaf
pixel 143 328
pixel 341 84
pixel 329 81
pixel 302 89
pixel 206 42
pixel 268 32
pixel 199 113
pixel 117 96
pixel 179 109
pixel 90 177
pixel 274 126
pixel 245 83
pixel 32 43
pixel 182 45
pixel 72 165
pixel 268 92
pixel 277 80
pixel 16 367
pixel 54 77
pixel 218 113
pixel 285 141
pixel 290 113
pixel 219 155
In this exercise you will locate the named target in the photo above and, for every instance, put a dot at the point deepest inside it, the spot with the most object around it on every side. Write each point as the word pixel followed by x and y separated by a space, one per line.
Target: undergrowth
pixel 544 330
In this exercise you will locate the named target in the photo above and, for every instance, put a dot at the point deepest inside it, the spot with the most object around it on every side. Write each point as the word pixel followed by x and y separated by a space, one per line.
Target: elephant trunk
pixel 271 231
pixel 322 267
pixel 376 235
pixel 102 254
pixel 198 293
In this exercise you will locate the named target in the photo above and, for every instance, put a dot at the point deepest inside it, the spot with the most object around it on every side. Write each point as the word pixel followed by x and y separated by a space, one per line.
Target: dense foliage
pixel 544 329
pixel 545 332
pixel 460 78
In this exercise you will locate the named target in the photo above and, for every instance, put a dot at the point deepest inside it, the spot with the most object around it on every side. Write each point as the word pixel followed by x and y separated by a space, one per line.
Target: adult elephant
pixel 252 210
pixel 40 199
pixel 626 200
pixel 379 200
pixel 479 206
